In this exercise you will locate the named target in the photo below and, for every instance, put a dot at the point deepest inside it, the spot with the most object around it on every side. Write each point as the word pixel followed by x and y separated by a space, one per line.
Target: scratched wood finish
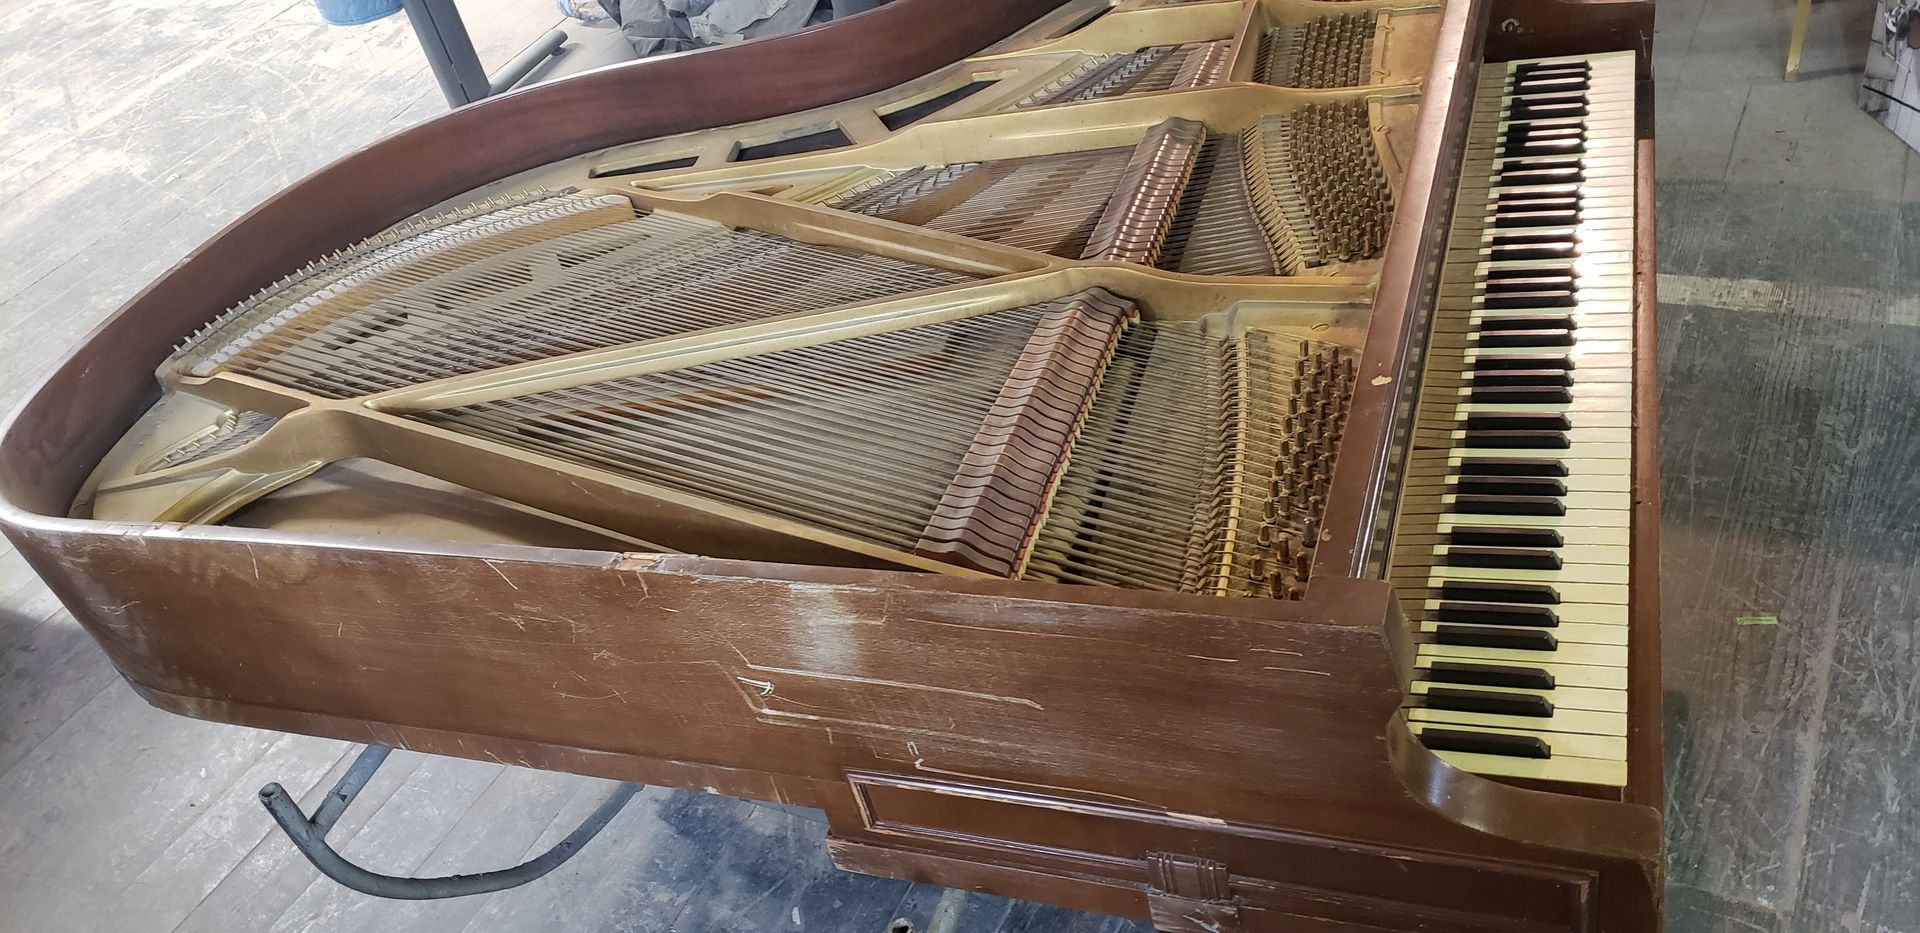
pixel 1030 740
pixel 693 672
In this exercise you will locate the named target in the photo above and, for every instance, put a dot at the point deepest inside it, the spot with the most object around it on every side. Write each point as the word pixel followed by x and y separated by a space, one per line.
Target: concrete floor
pixel 1790 321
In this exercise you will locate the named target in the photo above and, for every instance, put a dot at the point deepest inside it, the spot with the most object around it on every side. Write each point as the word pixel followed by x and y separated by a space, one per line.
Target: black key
pixel 1500 591
pixel 1506 558
pixel 1534 130
pixel 1510 220
pixel 1504 537
pixel 1555 274
pixel 1496 362
pixel 1508 505
pixel 1521 377
pixel 1535 237
pixel 1512 485
pixel 1557 145
pixel 1520 395
pixel 1519 440
pixel 1548 70
pixel 1485 743
pixel 1513 639
pixel 1512 466
pixel 1556 248
pixel 1494 323
pixel 1541 172
pixel 1489 675
pixel 1529 278
pixel 1546 82
pixel 1527 300
pixel 1525 322
pixel 1525 70
pixel 1548 86
pixel 1522 300
pixel 1508 206
pixel 1540 206
pixel 1568 195
pixel 1525 338
pixel 1541 107
pixel 1525 244
pixel 1491 702
pixel 1563 83
pixel 1549 83
pixel 1519 421
pixel 1495 614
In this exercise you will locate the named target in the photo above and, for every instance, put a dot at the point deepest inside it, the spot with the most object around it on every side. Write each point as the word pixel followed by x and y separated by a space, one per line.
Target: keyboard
pixel 1511 549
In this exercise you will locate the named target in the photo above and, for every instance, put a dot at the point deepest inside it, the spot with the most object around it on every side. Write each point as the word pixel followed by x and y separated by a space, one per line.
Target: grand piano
pixel 1185 460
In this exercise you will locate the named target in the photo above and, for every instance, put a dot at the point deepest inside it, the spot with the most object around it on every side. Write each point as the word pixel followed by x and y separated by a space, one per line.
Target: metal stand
pixel 310 837
pixel 443 36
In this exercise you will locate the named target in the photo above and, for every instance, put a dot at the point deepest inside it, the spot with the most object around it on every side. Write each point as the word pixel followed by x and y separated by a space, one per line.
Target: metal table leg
pixel 443 36
pixel 309 835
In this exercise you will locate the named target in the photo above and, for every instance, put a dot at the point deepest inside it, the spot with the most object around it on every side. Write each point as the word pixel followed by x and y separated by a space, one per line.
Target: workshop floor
pixel 1790 281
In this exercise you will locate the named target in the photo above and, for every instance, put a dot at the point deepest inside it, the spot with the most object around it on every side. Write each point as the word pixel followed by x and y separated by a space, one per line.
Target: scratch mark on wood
pixel 610 694
pixel 920 764
pixel 877 682
pixel 1211 820
pixel 1202 657
pixel 1005 631
pixel 1299 670
pixel 496 569
pixel 852 678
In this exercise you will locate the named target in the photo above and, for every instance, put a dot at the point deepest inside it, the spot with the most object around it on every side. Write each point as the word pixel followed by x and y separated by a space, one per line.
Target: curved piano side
pixel 1213 764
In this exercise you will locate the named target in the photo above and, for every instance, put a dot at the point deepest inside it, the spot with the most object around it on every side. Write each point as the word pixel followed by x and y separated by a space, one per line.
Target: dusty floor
pixel 1790 260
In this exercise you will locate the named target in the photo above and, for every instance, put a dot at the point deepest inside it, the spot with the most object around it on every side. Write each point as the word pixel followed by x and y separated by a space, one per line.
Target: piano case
pixel 1211 763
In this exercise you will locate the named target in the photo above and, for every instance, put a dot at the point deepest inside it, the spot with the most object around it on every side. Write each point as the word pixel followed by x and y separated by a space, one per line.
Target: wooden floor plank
pixel 51 669
pixel 115 784
pixel 195 862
